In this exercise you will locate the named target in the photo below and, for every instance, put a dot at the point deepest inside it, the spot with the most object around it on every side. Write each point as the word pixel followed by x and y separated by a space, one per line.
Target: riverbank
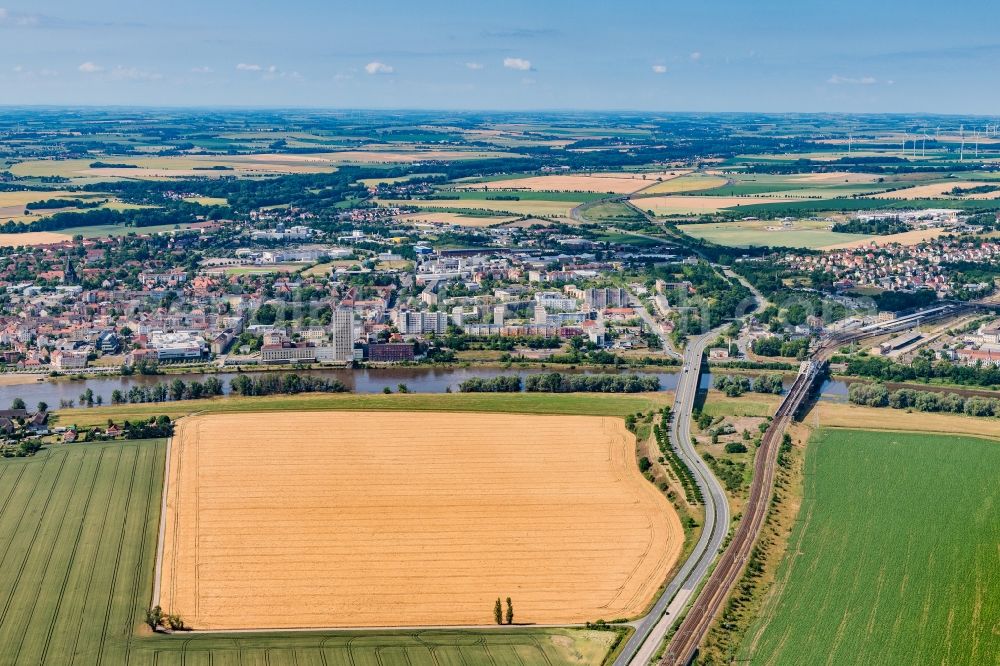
pixel 599 404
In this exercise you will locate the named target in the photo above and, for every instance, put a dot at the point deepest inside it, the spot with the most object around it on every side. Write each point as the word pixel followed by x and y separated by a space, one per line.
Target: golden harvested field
pixel 936 191
pixel 906 238
pixel 32 238
pixel 842 415
pixel 338 519
pixel 688 183
pixel 696 205
pixel 455 218
pixel 616 183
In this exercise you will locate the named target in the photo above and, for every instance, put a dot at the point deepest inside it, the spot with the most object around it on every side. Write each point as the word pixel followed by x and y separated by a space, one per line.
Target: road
pixel 651 630
pixel 665 342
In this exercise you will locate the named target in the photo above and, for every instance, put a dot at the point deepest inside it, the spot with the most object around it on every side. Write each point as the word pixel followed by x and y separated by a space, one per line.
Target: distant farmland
pixel 77 541
pixel 893 559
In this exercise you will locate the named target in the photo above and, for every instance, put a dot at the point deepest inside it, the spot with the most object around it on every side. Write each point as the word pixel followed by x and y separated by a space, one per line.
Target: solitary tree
pixel 510 612
pixel 17 403
pixel 43 406
pixel 498 612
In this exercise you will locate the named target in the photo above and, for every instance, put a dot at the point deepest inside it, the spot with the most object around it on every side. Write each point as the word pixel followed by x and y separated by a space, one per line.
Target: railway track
pixel 685 642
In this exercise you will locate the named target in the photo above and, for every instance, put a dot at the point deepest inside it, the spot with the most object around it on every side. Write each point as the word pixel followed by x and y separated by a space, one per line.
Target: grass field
pixel 77 542
pixel 522 403
pixel 893 559
pixel 760 233
pixel 362 519
pixel 610 212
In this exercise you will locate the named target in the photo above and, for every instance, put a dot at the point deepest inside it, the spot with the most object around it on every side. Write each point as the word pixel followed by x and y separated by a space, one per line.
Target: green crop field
pixel 78 527
pixel 893 558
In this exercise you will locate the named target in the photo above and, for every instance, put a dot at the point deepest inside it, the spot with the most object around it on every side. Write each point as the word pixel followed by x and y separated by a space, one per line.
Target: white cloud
pixel 474 65
pixel 376 67
pixel 695 56
pixel 659 69
pixel 838 80
pixel 519 64
pixel 248 67
pixel 202 70
pixel 3 14
pixel 90 68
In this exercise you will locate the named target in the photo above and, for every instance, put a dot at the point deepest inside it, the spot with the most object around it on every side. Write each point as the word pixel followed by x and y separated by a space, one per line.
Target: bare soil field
pixel 906 238
pixel 339 519
pixel 617 183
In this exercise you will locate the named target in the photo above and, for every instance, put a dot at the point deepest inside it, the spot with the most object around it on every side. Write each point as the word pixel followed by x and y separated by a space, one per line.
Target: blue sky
pixel 664 55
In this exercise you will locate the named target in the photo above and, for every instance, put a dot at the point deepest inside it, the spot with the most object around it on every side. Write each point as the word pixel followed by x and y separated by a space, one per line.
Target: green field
pixel 893 558
pixel 618 404
pixel 745 234
pixel 78 528
pixel 611 212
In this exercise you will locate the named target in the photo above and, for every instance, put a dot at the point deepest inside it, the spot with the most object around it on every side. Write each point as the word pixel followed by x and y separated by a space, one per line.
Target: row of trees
pixel 270 384
pixel 660 431
pixel 500 384
pixel 178 389
pixel 878 395
pixel 923 368
pixel 555 382
pixel 737 385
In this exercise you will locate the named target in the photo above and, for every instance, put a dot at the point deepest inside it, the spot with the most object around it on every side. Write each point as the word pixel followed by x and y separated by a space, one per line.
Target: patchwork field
pixel 614 182
pixel 893 559
pixel 260 164
pixel 697 205
pixel 692 182
pixel 372 519
pixel 541 207
pixel 78 531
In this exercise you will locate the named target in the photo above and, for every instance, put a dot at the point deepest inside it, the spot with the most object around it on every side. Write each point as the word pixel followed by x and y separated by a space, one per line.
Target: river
pixel 361 380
